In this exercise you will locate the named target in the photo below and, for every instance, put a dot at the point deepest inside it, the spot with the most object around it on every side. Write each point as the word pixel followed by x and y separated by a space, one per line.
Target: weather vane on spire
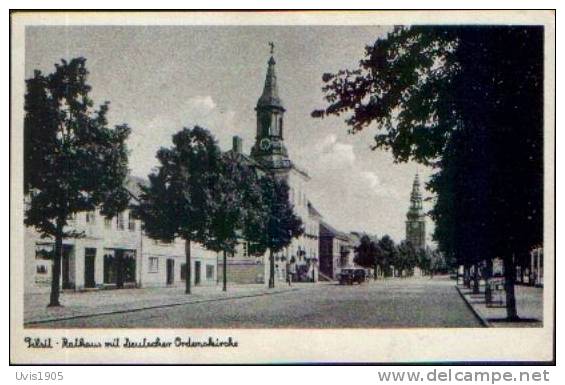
pixel 272 45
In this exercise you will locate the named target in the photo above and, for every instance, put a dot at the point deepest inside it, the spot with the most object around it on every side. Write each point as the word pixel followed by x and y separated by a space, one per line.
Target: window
pixel 44 251
pixel 90 217
pixel 153 264
pixel 120 221
pixel 209 272
pixel 108 223
pixel 41 269
pixel 183 272
pixel 244 249
pixel 131 222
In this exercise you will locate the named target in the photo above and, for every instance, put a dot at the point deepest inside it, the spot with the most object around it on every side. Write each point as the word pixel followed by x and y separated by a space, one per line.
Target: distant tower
pixel 269 148
pixel 415 223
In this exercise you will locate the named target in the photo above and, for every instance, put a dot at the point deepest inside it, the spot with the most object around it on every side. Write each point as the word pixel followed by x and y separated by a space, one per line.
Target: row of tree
pixel 200 194
pixel 74 162
pixel 389 259
pixel 468 101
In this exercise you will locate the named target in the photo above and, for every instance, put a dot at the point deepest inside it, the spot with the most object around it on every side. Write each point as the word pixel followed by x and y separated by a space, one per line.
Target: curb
pixel 482 319
pixel 109 312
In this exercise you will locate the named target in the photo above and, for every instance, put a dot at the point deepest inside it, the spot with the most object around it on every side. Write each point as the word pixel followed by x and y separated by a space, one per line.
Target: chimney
pixel 237 144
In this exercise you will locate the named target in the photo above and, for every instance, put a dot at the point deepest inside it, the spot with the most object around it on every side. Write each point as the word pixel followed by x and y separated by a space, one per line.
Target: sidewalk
pixel 84 304
pixel 529 304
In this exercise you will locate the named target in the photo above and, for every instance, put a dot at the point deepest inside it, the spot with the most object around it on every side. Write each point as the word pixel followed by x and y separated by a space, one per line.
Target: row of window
pixel 90 218
pixel 154 268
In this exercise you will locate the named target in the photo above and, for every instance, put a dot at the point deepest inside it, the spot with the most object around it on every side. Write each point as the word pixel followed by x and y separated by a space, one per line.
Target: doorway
pixel 196 273
pixel 89 263
pixel 170 271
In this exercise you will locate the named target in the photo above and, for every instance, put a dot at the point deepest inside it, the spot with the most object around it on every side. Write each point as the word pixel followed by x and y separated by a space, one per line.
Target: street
pixel 392 303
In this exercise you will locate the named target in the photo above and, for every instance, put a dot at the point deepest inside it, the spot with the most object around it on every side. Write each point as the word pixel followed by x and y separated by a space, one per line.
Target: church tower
pixel 415 223
pixel 269 149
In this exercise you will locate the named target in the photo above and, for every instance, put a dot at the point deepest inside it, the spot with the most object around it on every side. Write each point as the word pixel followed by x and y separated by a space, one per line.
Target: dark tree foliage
pixel 239 210
pixel 389 254
pixel 406 259
pixel 178 200
pixel 73 162
pixel 368 254
pixel 468 101
pixel 282 224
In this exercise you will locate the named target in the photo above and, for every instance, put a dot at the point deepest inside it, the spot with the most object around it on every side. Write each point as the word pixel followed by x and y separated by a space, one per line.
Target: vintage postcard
pixel 268 187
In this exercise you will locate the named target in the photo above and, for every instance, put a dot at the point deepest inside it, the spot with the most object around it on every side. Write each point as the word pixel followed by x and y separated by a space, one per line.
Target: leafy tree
pixel 73 162
pixel 282 224
pixel 406 259
pixel 178 200
pixel 424 261
pixel 447 96
pixel 389 254
pixel 368 254
pixel 238 208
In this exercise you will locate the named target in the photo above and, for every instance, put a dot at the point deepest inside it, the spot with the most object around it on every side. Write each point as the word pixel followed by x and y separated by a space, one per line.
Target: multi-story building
pixel 114 253
pixel 336 251
pixel 270 156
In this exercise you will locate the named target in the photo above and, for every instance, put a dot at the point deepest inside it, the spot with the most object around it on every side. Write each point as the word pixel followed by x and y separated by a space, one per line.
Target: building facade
pixel 336 251
pixel 270 155
pixel 116 253
pixel 415 220
pixel 113 253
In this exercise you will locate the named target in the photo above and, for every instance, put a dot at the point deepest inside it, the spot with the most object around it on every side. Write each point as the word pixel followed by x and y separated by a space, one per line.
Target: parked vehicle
pixel 351 276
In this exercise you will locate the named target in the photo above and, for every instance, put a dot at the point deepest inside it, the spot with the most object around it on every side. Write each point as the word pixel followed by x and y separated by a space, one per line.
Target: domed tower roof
pixel 270 96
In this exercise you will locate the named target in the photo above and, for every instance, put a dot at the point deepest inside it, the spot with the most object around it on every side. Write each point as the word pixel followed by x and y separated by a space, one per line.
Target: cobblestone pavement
pixel 392 303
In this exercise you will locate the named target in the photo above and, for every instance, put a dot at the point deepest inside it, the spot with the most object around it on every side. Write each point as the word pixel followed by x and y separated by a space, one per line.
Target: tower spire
pixel 416 195
pixel 415 223
pixel 269 146
pixel 270 96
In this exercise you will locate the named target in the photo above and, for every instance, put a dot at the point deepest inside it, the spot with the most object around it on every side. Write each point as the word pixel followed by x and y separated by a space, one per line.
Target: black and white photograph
pixel 189 181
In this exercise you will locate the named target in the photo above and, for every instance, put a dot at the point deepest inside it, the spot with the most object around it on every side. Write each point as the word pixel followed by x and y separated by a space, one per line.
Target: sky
pixel 161 79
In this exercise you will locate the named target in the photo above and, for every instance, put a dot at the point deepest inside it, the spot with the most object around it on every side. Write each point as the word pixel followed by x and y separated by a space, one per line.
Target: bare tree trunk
pixel 188 256
pixel 271 269
pixel 225 286
pixel 488 275
pixel 476 278
pixel 57 258
pixel 509 275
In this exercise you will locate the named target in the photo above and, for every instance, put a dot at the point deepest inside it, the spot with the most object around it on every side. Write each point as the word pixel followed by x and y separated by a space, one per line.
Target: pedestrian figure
pixel 288 274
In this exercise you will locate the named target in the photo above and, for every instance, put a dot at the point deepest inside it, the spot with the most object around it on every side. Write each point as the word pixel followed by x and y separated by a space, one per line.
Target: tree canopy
pixel 467 100
pixel 178 200
pixel 73 162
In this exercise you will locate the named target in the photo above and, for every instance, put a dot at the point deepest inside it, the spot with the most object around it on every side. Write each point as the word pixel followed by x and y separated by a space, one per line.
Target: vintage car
pixel 351 276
